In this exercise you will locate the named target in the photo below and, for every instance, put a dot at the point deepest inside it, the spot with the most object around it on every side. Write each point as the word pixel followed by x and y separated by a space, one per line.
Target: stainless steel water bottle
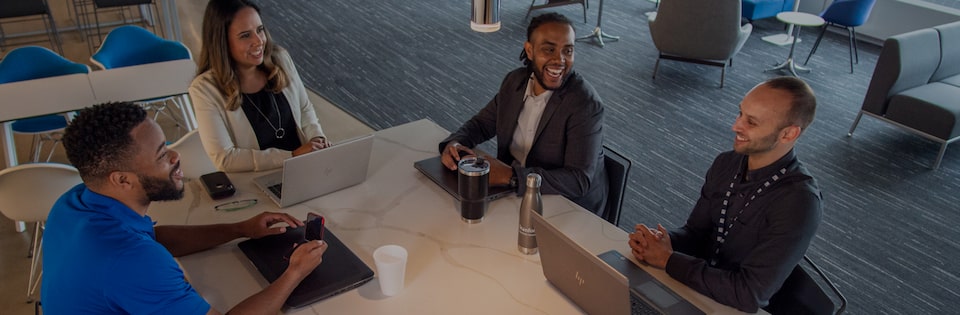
pixel 473 183
pixel 527 237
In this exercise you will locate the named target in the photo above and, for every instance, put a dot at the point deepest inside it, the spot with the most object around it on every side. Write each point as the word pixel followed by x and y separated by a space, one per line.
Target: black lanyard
pixel 723 226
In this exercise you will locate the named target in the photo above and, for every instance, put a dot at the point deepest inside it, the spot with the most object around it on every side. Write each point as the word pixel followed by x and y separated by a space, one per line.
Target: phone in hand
pixel 313 231
pixel 314 227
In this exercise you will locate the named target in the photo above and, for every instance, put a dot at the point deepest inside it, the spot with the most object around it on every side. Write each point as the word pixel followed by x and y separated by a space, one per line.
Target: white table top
pixel 800 18
pixel 453 267
pixel 66 93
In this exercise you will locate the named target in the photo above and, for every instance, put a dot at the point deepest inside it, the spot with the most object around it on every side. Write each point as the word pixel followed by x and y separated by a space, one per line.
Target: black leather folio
pixel 340 271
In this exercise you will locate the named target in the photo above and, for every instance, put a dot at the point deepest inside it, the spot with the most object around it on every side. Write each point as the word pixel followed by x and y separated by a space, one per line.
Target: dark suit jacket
pixel 567 150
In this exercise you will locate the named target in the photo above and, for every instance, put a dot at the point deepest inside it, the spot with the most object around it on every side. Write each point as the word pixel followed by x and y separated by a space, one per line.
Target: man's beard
pixel 160 189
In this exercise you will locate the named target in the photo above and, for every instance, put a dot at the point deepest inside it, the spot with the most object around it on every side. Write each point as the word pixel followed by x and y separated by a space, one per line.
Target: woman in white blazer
pixel 252 109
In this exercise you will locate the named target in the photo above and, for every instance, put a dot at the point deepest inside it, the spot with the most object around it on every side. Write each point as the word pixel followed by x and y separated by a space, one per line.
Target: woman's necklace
pixel 279 132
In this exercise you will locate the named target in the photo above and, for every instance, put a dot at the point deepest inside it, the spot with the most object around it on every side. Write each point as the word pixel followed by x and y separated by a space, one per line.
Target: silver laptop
pixel 598 287
pixel 318 173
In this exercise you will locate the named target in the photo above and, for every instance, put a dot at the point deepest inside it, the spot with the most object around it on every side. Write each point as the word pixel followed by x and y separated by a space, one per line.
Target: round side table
pixel 799 19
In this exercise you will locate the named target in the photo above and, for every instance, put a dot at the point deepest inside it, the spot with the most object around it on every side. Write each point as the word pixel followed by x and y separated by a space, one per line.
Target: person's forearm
pixel 183 240
pixel 270 300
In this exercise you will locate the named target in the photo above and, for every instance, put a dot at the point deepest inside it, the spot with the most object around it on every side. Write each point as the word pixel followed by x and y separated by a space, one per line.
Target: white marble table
pixel 453 267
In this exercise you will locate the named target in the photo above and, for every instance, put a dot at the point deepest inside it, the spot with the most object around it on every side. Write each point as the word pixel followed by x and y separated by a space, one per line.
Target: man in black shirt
pixel 758 208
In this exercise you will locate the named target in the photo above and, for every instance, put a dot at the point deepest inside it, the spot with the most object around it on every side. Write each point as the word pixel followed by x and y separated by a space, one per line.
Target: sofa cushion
pixel 954 80
pixel 906 61
pixel 949 51
pixel 931 108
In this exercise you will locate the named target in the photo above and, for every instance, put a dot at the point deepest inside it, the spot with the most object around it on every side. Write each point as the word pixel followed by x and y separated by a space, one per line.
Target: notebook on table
pixel 449 180
pixel 600 285
pixel 318 173
pixel 340 271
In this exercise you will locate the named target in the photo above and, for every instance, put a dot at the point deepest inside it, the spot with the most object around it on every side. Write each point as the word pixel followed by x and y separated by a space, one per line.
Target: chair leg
pixel 723 73
pixel 850 46
pixel 855 122
pixel 35 149
pixel 37 248
pixel 528 9
pixel 55 36
pixel 816 44
pixel 584 12
pixel 53 148
pixel 655 67
pixel 856 55
pixel 943 149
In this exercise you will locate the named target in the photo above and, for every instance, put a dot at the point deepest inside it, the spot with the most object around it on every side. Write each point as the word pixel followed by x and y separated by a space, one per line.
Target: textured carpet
pixel 888 236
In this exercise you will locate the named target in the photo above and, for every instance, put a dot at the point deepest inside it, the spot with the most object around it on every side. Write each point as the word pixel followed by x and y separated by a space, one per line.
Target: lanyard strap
pixel 723 225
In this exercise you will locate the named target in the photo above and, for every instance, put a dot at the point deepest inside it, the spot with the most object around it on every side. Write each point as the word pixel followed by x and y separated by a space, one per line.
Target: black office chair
pixel 618 169
pixel 800 294
pixel 556 3
pixel 22 11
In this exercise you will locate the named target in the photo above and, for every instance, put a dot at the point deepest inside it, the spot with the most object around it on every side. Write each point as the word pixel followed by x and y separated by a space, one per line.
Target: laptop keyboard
pixel 276 189
pixel 640 307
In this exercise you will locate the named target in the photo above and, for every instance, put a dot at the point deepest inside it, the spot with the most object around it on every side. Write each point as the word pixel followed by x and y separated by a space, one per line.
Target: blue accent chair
pixel 34 62
pixel 762 9
pixel 131 45
pixel 847 14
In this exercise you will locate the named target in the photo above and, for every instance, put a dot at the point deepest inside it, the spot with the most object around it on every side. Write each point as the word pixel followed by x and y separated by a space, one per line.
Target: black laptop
pixel 449 180
pixel 340 271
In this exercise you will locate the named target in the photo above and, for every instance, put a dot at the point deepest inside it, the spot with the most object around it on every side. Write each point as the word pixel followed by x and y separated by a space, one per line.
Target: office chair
pixel 82 9
pixel 800 294
pixel 706 32
pixel 132 45
pixel 618 171
pixel 34 62
pixel 847 14
pixel 27 192
pixel 38 9
pixel 556 3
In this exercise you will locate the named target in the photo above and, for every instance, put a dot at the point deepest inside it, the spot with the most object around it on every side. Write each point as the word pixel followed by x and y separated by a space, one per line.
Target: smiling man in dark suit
pixel 547 120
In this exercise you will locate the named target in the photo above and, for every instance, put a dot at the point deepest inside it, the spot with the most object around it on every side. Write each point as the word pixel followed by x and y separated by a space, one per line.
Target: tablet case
pixel 340 271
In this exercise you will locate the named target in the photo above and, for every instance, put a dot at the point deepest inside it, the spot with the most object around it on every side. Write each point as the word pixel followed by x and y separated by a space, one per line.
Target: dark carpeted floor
pixel 887 238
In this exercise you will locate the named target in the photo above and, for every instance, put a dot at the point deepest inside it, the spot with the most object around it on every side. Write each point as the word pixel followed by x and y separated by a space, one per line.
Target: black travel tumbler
pixel 472 186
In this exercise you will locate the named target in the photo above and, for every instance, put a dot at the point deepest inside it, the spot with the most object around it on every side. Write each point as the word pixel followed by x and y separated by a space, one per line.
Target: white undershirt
pixel 528 122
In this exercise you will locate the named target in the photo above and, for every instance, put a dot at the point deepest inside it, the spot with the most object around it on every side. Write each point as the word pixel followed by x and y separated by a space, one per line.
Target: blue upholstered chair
pixel 762 9
pixel 34 62
pixel 847 14
pixel 133 45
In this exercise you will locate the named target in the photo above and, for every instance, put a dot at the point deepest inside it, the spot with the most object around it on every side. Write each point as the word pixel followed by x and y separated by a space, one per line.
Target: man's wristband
pixel 513 181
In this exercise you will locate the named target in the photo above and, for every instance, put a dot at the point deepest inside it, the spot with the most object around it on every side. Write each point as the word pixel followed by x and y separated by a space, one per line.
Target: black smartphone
pixel 218 185
pixel 314 227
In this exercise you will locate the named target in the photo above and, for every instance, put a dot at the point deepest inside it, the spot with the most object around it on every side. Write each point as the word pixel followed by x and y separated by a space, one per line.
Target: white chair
pixel 193 159
pixel 27 192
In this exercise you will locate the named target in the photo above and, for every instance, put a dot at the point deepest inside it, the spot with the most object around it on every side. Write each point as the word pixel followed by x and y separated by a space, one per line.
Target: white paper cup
pixel 391 263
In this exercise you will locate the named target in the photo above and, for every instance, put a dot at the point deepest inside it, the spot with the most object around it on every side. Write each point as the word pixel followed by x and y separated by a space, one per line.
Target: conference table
pixel 453 267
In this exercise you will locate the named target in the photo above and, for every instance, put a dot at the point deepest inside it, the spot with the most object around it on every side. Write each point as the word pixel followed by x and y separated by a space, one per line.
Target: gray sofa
pixel 916 84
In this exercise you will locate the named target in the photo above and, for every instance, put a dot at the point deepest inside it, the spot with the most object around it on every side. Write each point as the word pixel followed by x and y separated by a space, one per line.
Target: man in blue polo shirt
pixel 102 253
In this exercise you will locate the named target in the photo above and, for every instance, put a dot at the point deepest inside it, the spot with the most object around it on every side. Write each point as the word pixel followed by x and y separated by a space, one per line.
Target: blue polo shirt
pixel 101 257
